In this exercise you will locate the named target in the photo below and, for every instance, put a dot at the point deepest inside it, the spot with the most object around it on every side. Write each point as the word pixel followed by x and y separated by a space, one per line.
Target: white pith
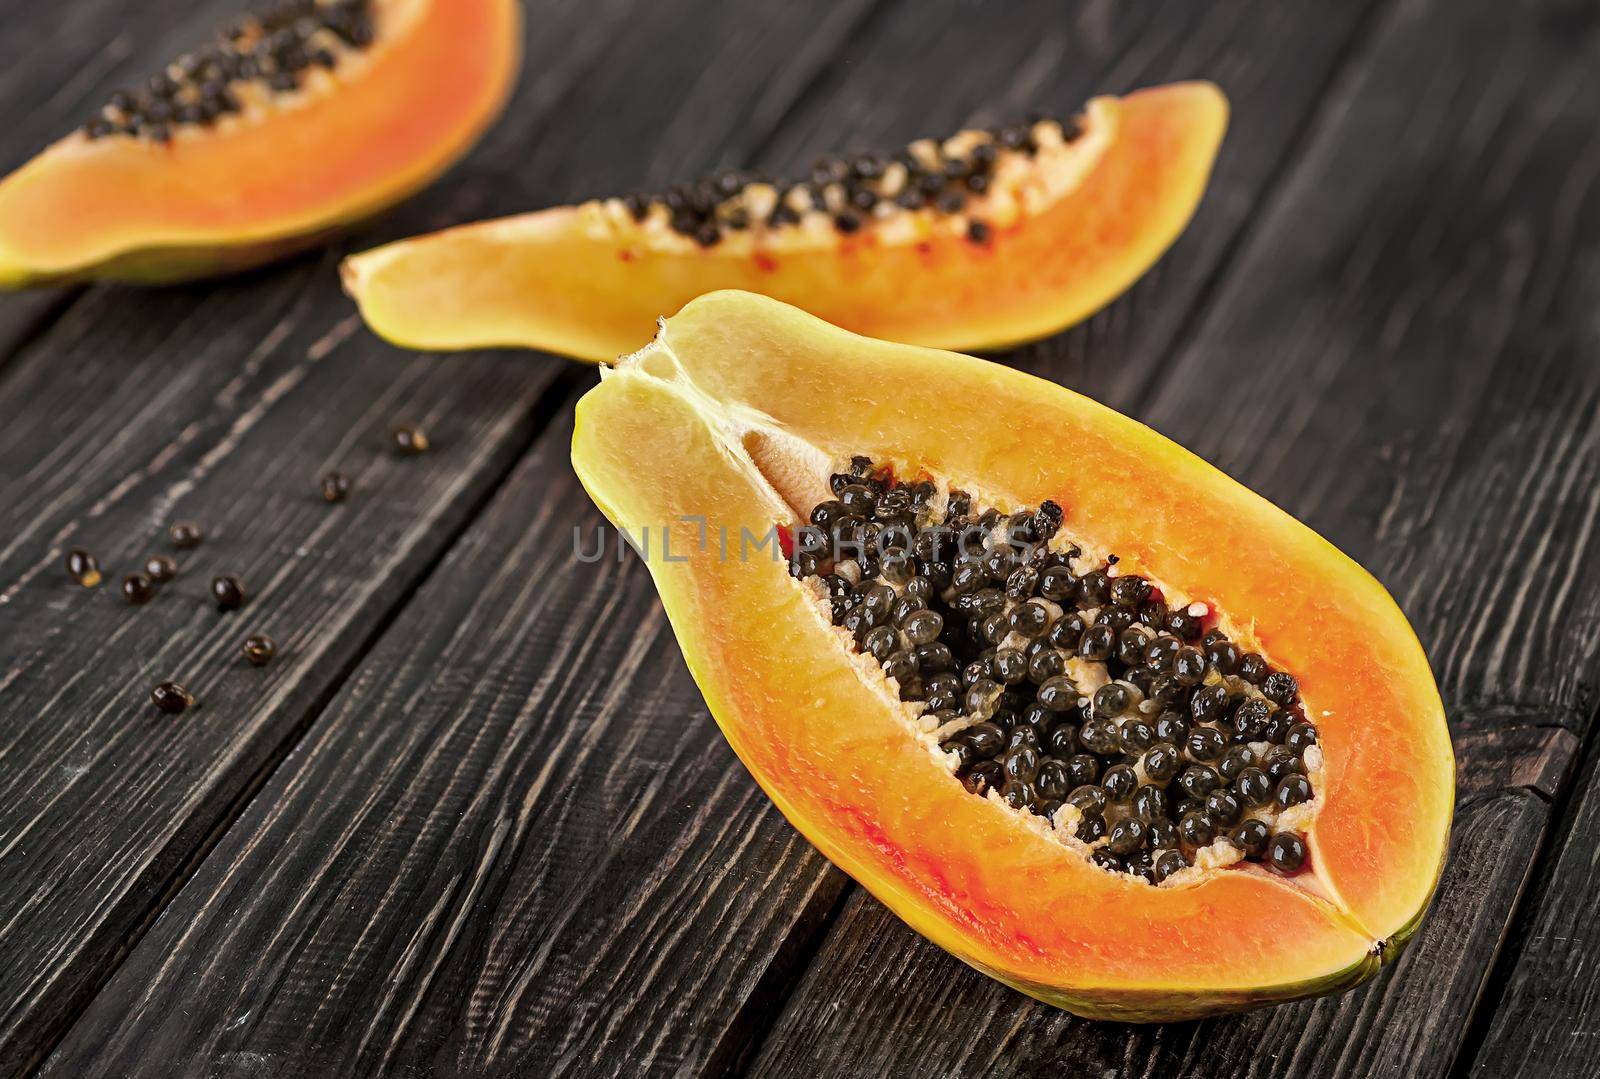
pixel 793 474
pixel 1022 185
pixel 259 103
pixel 1088 676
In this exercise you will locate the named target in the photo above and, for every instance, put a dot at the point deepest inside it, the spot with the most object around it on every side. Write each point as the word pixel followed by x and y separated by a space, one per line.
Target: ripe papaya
pixel 293 124
pixel 1098 720
pixel 983 239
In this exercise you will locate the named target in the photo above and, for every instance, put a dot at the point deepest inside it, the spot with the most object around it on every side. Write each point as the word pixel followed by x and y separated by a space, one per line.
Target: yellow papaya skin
pixel 722 426
pixel 281 176
pixel 589 281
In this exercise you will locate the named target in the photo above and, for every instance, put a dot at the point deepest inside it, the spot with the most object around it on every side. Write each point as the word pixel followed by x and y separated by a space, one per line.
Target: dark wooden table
pixel 476 819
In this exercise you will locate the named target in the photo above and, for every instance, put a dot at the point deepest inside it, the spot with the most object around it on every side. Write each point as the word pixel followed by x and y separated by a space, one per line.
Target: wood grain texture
pixel 1519 752
pixel 1545 1006
pixel 223 403
pixel 882 1001
pixel 937 67
pixel 59 62
pixel 135 1028
pixel 232 400
pixel 1412 339
pixel 1407 332
pixel 486 858
pixel 102 803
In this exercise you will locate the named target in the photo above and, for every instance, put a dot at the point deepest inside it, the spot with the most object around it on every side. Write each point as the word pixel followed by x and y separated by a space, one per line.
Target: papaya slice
pixel 308 118
pixel 984 239
pixel 1255 642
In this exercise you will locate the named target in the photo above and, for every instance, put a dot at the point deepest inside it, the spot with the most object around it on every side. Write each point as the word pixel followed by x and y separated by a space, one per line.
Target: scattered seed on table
pixel 335 487
pixel 83 567
pixel 259 649
pixel 185 535
pixel 160 569
pixel 137 589
pixel 228 591
pixel 410 439
pixel 171 698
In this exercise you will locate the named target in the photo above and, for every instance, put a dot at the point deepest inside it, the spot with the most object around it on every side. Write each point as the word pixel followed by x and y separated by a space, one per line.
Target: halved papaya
pixel 983 239
pixel 293 124
pixel 903 706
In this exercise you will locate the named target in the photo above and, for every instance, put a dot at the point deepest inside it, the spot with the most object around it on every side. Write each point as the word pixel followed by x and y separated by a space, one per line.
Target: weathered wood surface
pixel 225 404
pixel 484 858
pixel 935 67
pixel 1414 375
pixel 879 1000
pixel 201 1030
pixel 1541 1011
pixel 427 878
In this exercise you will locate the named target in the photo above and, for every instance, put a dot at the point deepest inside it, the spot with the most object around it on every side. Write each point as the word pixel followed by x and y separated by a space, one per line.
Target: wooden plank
pixel 222 403
pixel 1408 331
pixel 1516 752
pixel 561 1018
pixel 230 402
pixel 1415 372
pixel 939 67
pixel 485 859
pixel 103 804
pixel 928 1014
pixel 1541 1010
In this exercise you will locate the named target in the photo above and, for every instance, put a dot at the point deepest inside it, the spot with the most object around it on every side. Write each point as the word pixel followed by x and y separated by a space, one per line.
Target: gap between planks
pixel 1498 977
pixel 558 395
pixel 1336 86
pixel 561 392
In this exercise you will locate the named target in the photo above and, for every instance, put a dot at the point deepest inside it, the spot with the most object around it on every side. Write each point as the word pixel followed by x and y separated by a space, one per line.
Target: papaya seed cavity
pixel 273 51
pixel 1142 735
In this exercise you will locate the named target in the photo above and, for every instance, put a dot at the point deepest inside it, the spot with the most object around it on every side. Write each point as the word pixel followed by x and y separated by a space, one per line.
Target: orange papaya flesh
pixel 1055 233
pixel 732 419
pixel 244 165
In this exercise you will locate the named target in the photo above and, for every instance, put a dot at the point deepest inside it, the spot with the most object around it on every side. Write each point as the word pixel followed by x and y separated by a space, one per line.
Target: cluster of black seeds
pixel 1057 685
pixel 140 588
pixel 850 189
pixel 274 47
pixel 227 591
